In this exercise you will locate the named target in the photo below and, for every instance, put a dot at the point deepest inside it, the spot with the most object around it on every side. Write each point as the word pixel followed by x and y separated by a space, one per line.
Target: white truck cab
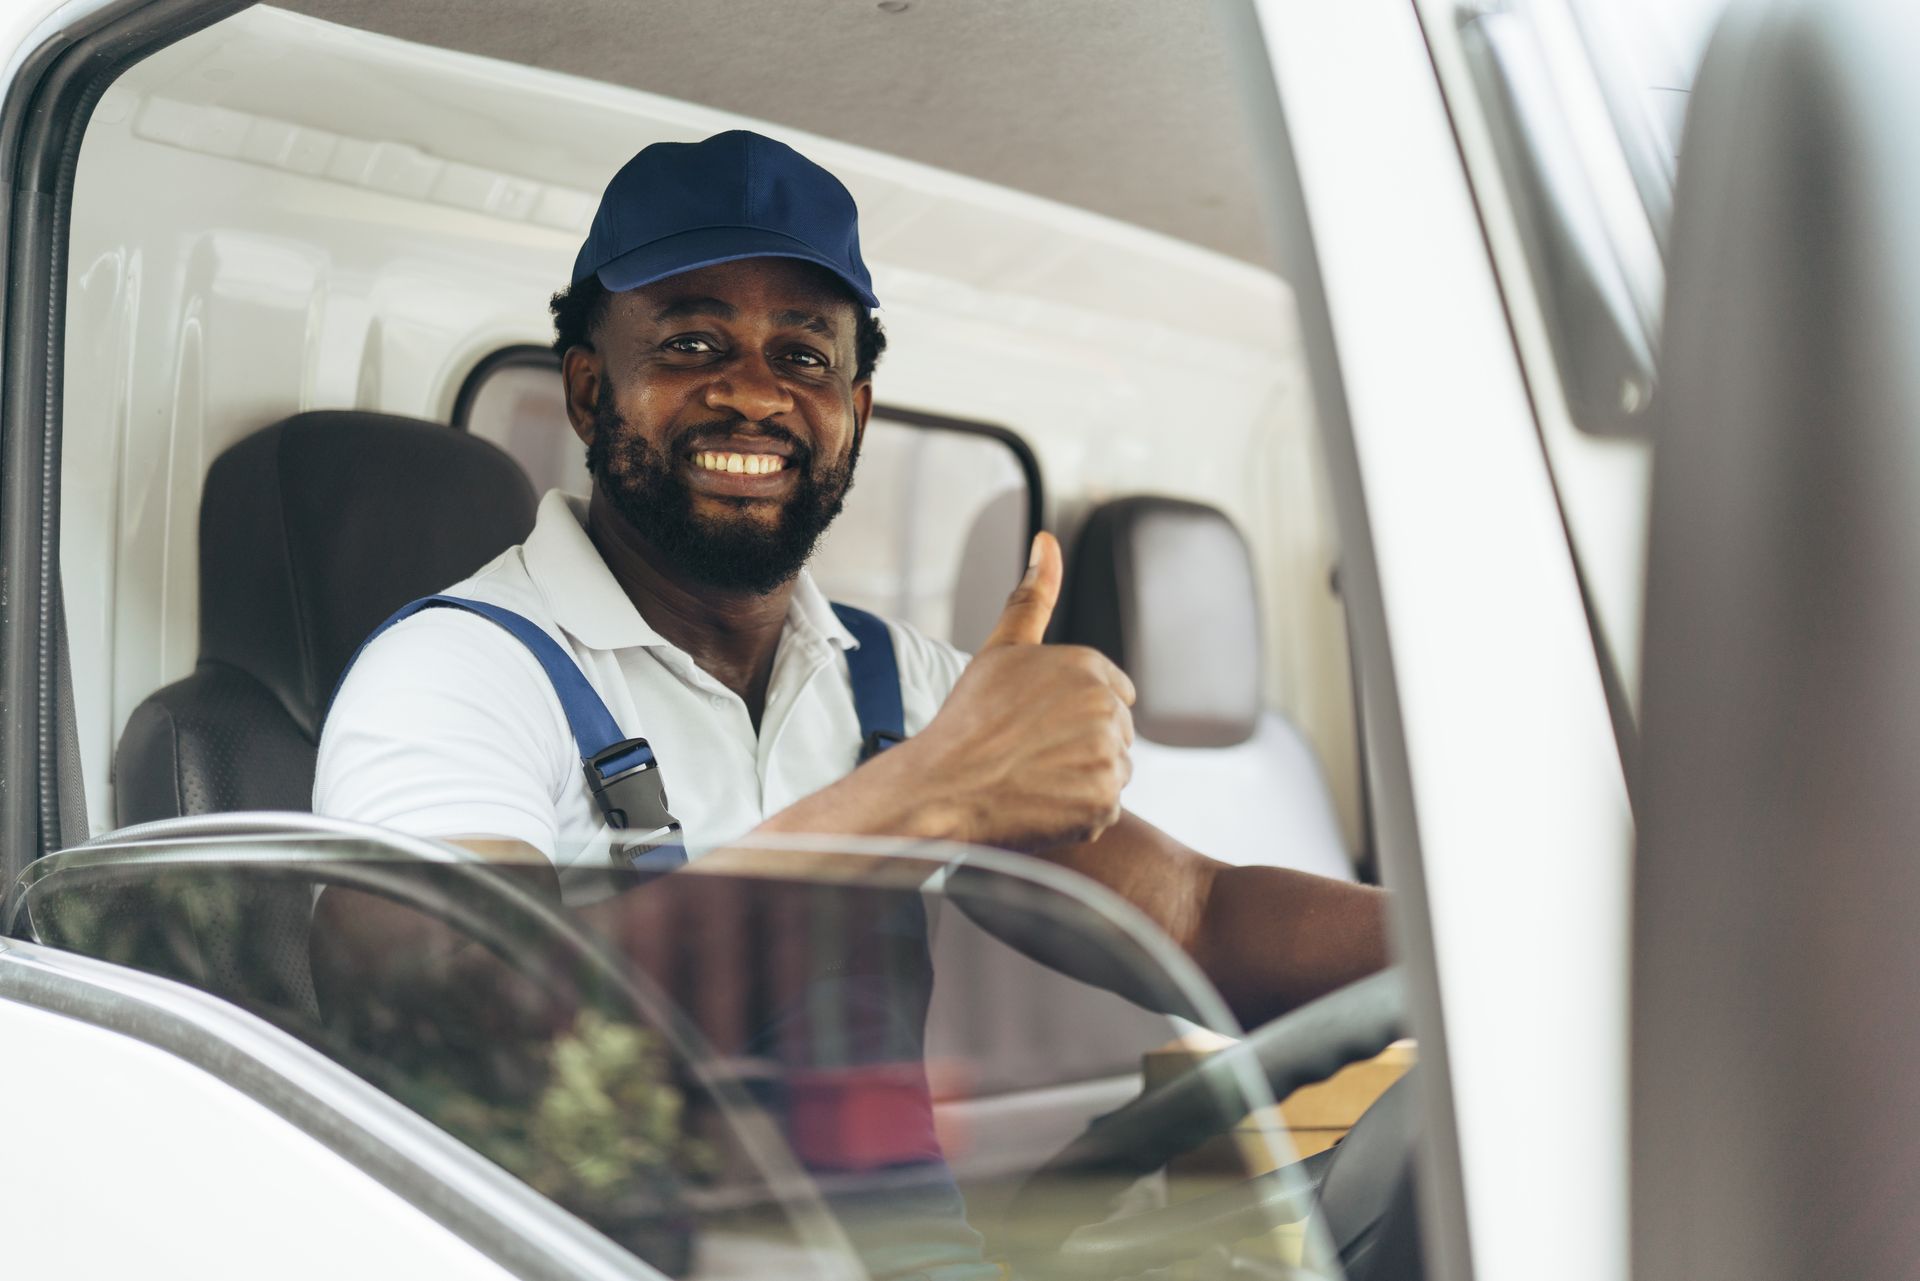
pixel 1494 499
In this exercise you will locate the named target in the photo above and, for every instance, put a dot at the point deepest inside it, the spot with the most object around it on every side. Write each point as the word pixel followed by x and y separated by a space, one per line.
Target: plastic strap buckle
pixel 633 799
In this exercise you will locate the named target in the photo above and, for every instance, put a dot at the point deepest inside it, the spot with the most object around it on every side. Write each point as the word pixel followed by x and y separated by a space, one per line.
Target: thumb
pixel 1024 620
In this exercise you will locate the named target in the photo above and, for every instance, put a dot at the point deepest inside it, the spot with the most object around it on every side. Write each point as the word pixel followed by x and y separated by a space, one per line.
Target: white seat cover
pixel 1263 801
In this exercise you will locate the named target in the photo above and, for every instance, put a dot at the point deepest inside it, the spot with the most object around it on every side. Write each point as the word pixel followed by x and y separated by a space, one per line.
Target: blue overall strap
pixel 621 772
pixel 876 682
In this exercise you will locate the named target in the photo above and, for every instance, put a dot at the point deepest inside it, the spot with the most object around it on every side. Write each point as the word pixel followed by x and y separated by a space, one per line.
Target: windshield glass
pixel 782 1059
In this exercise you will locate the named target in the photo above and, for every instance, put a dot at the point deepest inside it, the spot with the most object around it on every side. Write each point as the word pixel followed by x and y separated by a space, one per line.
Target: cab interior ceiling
pixel 1127 108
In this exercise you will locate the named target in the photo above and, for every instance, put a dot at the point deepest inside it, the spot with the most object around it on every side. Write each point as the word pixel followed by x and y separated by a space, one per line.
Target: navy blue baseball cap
pixel 681 205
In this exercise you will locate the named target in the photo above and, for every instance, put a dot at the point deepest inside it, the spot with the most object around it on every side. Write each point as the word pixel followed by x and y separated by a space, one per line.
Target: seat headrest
pixel 1165 588
pixel 314 530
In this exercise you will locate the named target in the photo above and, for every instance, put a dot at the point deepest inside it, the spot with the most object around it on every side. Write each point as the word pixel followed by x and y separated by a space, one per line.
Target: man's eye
pixel 690 344
pixel 807 359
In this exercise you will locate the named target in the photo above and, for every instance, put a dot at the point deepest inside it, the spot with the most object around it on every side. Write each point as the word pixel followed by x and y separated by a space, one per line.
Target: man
pixel 717 356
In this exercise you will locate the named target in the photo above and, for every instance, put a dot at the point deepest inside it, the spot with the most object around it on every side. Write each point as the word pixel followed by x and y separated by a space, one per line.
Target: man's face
pixel 721 416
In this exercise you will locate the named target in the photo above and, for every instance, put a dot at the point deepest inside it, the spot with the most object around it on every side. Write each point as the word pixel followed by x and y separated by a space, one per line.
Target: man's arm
pixel 1030 753
pixel 1270 938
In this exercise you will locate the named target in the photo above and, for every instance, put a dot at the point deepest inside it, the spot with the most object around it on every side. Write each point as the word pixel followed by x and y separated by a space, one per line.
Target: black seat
pixel 312 531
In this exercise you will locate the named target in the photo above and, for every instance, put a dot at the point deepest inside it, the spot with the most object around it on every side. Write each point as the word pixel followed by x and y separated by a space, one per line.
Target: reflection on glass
pixel 777 1061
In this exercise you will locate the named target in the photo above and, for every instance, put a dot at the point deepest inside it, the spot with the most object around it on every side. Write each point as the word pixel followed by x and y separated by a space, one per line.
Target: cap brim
pixel 710 246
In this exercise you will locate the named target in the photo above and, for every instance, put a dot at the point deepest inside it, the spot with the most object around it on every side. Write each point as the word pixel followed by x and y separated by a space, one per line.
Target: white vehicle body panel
pixel 1524 827
pixel 1602 482
pixel 165 1171
pixel 205 328
pixel 155 1094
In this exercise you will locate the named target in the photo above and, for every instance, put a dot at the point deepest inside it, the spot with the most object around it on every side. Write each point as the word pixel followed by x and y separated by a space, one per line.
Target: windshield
pixel 781 1060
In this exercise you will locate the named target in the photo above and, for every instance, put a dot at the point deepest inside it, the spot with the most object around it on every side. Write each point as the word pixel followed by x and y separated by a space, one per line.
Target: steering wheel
pixel 1054 1225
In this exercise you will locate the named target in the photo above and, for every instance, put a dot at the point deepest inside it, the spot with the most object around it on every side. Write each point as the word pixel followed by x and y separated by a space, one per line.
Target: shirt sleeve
pixel 446 726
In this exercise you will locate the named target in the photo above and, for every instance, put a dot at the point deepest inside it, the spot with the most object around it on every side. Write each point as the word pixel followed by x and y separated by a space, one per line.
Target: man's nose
pixel 749 387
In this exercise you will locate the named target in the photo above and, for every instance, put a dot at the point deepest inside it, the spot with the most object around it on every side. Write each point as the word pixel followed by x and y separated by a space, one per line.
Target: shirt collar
pixel 810 611
pixel 582 594
pixel 588 603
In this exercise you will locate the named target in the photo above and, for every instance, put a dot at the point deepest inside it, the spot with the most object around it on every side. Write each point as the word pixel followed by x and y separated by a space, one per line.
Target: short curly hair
pixel 580 307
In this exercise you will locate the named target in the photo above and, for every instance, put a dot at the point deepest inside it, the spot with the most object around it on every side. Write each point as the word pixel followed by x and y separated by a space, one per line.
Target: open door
pixel 1776 1013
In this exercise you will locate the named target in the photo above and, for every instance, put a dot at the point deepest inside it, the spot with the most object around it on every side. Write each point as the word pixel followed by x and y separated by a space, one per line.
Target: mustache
pixel 800 454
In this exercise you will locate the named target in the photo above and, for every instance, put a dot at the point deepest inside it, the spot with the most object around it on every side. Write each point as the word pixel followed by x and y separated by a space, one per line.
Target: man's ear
pixel 862 408
pixel 582 378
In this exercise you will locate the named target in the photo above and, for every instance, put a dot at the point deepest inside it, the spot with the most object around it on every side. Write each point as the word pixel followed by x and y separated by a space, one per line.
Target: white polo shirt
pixel 447 726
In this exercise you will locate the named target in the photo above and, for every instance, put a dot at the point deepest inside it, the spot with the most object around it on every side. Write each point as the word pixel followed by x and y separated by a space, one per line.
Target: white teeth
pixel 739 464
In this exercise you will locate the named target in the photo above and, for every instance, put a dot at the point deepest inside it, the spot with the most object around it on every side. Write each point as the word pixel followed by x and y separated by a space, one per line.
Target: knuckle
pixel 1092 661
pixel 1077 658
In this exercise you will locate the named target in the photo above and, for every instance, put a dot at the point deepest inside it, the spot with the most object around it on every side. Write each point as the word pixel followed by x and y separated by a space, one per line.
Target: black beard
pixel 740 554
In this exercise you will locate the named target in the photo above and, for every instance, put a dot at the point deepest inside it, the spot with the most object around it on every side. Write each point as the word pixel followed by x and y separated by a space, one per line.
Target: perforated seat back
pixel 312 531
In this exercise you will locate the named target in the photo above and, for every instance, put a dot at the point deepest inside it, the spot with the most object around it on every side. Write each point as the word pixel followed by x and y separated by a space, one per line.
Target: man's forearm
pixel 887 796
pixel 1272 938
pixel 1269 938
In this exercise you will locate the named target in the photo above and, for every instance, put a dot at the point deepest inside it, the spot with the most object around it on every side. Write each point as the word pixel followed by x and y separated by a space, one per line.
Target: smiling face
pixel 721 415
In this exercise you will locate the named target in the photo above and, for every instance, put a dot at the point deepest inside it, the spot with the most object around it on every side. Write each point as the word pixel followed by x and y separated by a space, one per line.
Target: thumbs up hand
pixel 1030 749
pixel 1030 608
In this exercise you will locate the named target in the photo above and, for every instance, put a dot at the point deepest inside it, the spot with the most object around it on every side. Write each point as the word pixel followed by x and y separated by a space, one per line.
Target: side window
pixel 1645 54
pixel 512 398
pixel 1569 114
pixel 1584 103
pixel 934 532
pixel 936 526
